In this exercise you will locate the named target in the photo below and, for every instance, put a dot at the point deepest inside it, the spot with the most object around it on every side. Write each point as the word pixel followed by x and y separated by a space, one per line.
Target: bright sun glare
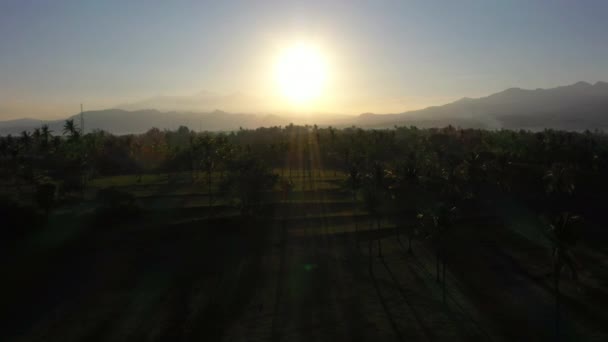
pixel 301 73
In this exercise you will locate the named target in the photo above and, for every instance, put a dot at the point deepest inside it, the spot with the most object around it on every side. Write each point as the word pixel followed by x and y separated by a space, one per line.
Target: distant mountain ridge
pixel 119 121
pixel 578 106
pixel 203 101
pixel 574 107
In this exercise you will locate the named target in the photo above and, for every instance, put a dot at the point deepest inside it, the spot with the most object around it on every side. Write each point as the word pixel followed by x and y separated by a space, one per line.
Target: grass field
pixel 308 271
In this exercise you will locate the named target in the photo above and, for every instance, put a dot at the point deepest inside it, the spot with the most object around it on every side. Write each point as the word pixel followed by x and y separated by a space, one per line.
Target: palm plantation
pixel 276 195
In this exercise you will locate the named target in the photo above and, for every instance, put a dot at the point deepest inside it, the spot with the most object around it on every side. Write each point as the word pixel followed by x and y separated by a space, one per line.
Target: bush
pixel 248 184
pixel 45 196
pixel 17 219
pixel 116 206
pixel 71 184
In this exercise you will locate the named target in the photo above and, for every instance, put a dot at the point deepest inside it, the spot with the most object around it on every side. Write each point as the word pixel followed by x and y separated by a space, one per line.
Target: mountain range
pixel 575 107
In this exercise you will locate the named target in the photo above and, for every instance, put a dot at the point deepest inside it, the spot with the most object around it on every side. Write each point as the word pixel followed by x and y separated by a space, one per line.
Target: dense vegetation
pixel 550 170
pixel 424 184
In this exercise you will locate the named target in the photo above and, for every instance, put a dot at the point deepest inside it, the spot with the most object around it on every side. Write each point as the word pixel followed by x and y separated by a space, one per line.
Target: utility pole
pixel 81 120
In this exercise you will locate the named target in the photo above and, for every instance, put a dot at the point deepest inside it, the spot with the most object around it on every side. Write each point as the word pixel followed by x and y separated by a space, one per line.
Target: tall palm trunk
pixel 437 259
pixel 355 216
pixel 379 238
pixel 557 302
pixel 443 276
pixel 369 246
pixel 209 188
pixel 409 243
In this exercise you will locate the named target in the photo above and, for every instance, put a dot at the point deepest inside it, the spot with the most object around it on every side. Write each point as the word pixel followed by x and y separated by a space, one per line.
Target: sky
pixel 382 56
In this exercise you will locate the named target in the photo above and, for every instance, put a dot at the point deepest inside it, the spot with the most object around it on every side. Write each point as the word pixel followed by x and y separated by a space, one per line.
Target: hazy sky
pixel 383 56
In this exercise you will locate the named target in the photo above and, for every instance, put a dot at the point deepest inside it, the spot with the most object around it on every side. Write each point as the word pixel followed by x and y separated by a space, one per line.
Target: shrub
pixel 116 206
pixel 17 219
pixel 45 196
pixel 248 184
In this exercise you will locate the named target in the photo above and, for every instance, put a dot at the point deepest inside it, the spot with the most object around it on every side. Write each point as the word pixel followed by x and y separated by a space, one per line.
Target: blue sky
pixel 385 56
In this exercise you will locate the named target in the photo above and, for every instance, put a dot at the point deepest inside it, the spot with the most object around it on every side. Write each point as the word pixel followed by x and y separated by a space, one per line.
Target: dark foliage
pixel 116 206
pixel 17 220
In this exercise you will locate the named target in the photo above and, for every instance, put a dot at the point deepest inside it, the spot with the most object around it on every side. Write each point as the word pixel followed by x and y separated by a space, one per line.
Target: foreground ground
pixel 311 271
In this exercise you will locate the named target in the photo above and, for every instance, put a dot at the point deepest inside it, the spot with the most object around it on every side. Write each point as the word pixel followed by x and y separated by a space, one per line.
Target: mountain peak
pixel 507 93
pixel 512 91
pixel 464 100
pixel 581 84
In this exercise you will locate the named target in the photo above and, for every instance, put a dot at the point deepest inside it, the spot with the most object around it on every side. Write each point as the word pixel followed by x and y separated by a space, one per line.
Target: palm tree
pixel 191 157
pixel 3 147
pixel 378 193
pixel 414 230
pixel 354 183
pixel 283 149
pixel 434 234
pixel 374 195
pixel 332 145
pixel 208 161
pixel 69 128
pixel 36 136
pixel 45 133
pixel 225 153
pixel 563 235
pixel 248 183
pixel 45 197
pixel 371 199
pixel 26 140
pixel 441 217
pixel 559 186
pixel 406 190
pixel 76 158
pixel 56 142
pixel 287 186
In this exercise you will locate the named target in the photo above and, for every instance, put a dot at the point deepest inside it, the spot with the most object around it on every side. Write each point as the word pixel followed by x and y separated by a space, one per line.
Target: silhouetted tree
pixel 564 233
pixel 248 183
pixel 69 129
pixel 45 197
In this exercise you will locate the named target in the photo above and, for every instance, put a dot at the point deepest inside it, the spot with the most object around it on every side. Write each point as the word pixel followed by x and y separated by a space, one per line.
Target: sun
pixel 301 73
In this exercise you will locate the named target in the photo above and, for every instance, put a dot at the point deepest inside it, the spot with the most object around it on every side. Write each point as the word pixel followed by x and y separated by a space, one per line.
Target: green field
pixel 307 269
